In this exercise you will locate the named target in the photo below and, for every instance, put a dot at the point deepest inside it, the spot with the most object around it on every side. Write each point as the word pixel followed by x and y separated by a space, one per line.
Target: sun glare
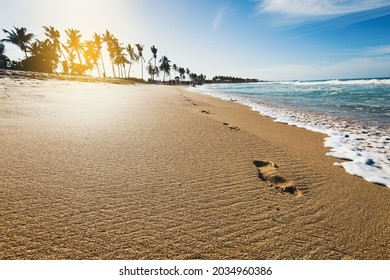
pixel 87 104
pixel 87 16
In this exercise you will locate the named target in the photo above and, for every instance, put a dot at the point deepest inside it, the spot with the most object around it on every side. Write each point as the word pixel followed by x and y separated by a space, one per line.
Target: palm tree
pixel 97 39
pixel 154 51
pixel 19 37
pixel 193 77
pixel 132 55
pixel 2 49
pixel 111 42
pixel 74 43
pixel 70 65
pixel 165 66
pixel 202 78
pixel 91 56
pixel 140 49
pixel 182 72
pixel 150 70
pixel 120 59
pixel 54 36
pixel 44 57
pixel 4 60
pixel 175 68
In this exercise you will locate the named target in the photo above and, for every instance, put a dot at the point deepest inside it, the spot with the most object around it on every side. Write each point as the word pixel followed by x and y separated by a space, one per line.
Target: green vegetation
pixel 78 57
pixel 229 79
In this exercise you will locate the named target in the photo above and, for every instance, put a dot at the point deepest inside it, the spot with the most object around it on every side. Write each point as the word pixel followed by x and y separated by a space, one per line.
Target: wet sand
pixel 103 171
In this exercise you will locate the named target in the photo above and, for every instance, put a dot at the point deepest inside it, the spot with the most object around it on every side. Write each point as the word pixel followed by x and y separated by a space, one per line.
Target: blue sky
pixel 265 39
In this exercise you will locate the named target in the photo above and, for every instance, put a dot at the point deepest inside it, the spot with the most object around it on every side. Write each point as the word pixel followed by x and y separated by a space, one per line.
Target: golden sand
pixel 102 171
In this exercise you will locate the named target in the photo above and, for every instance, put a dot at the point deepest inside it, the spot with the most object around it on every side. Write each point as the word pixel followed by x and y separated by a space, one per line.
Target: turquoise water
pixel 363 99
pixel 354 113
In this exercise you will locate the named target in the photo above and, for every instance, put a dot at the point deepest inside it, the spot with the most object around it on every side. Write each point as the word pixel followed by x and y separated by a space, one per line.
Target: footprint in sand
pixel 267 171
pixel 232 127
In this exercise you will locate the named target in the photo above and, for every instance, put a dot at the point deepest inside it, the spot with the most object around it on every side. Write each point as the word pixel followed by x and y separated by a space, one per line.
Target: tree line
pixel 230 79
pixel 77 57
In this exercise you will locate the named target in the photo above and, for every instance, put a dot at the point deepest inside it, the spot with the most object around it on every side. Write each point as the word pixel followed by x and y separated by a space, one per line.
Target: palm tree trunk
pixel 113 69
pixel 128 75
pixel 97 67
pixel 142 69
pixel 104 69
pixel 154 67
pixel 63 55
pixel 79 57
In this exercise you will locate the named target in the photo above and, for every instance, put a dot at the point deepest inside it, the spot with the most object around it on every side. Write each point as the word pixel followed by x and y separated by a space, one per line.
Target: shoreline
pixel 361 143
pixel 157 172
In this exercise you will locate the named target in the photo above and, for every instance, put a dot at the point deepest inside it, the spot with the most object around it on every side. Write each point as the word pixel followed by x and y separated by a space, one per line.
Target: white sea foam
pixel 340 82
pixel 366 147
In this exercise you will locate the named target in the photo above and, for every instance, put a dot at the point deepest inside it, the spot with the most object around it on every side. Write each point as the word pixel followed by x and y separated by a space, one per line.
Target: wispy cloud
pixel 219 17
pixel 295 12
pixel 370 52
pixel 378 50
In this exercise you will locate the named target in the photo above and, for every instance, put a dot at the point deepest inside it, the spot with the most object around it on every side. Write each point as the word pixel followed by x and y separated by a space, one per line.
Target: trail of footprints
pixel 207 112
pixel 267 171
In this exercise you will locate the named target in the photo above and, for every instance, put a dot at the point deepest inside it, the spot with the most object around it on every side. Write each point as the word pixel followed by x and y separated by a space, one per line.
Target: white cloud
pixel 352 68
pixel 302 11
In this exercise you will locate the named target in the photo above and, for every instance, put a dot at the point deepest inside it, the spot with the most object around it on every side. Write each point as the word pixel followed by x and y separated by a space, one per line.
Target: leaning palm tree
pixel 140 49
pixel 19 37
pixel 91 56
pixel 154 51
pixel 97 39
pixel 165 66
pixel 111 42
pixel 132 55
pixel 74 43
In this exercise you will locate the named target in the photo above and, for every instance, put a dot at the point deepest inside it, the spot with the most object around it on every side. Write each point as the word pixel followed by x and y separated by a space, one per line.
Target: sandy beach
pixel 108 171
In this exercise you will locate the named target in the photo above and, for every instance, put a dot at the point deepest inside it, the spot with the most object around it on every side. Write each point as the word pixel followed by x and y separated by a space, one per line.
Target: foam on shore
pixel 365 146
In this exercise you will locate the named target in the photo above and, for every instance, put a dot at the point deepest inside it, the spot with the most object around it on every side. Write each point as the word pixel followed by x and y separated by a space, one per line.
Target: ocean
pixel 354 113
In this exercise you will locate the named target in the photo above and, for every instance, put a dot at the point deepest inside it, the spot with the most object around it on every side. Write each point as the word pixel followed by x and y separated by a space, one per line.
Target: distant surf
pixel 354 113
